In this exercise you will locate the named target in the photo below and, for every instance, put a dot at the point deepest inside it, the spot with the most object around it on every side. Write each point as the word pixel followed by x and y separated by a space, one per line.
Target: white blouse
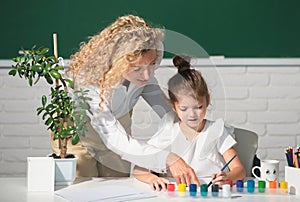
pixel 204 152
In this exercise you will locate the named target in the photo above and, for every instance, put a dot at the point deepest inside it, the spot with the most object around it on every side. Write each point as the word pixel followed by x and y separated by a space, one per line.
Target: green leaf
pixel 43 73
pixel 57 68
pixel 75 139
pixel 44 100
pixel 48 121
pixel 39 59
pixel 53 127
pixel 39 110
pixel 33 47
pixel 30 81
pixel 48 66
pixel 56 135
pixel 43 51
pixel 50 107
pixel 52 59
pixel 44 116
pixel 49 79
pixel 12 72
pixel 55 74
pixel 71 84
pixel 37 68
pixel 85 106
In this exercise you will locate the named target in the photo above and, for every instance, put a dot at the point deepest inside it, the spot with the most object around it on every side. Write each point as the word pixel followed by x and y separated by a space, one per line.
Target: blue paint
pixel 240 186
pixel 250 186
pixel 193 189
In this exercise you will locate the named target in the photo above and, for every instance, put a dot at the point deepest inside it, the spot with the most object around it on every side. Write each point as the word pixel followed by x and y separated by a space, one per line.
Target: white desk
pixel 15 190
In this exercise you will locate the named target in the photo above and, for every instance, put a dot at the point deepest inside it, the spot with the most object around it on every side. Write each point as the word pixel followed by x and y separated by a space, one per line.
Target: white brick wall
pixel 262 95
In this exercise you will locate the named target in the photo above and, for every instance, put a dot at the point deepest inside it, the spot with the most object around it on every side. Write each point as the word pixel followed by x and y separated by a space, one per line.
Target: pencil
pixel 224 167
pixel 288 158
pixel 298 153
pixel 291 153
pixel 296 164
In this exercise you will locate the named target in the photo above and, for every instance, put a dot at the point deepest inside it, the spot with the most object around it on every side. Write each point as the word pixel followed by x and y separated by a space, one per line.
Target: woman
pixel 117 66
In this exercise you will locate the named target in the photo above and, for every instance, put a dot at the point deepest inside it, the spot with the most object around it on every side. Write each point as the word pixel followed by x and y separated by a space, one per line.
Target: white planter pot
pixel 65 171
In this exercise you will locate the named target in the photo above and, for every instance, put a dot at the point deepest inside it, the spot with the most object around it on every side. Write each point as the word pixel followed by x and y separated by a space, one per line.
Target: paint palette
pixel 227 190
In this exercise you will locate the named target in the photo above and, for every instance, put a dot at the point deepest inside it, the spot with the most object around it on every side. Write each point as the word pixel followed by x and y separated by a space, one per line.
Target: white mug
pixel 269 170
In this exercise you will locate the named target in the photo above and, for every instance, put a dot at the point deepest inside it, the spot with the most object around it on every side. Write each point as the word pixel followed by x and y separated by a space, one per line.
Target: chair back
pixel 246 147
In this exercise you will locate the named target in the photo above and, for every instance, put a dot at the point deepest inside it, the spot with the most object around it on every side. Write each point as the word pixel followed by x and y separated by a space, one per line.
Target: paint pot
pixel 215 190
pixel 226 190
pixel 261 186
pixel 240 186
pixel 250 186
pixel 193 189
pixel 203 190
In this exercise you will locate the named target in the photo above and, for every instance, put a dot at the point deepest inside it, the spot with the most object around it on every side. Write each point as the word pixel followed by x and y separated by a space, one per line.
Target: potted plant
pixel 62 114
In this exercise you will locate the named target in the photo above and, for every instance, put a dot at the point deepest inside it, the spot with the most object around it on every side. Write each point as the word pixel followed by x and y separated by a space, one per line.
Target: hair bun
pixel 182 62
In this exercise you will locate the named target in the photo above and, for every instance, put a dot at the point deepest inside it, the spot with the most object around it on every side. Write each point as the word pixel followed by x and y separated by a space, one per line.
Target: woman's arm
pixel 155 182
pixel 148 156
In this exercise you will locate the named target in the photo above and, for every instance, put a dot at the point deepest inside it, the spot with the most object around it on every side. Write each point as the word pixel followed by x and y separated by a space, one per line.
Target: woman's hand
pixel 158 183
pixel 219 178
pixel 155 182
pixel 182 173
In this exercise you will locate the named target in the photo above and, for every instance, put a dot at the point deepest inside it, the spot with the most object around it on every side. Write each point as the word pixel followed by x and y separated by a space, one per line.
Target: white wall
pixel 262 95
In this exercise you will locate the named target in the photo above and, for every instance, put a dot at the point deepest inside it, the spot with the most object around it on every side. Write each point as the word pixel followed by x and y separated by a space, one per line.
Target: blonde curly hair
pixel 107 55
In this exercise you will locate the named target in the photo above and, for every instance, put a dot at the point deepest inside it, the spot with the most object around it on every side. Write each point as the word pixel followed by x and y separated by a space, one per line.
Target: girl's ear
pixel 207 100
pixel 173 106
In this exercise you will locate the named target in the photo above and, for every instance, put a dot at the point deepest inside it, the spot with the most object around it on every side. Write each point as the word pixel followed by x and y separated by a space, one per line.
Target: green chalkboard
pixel 233 28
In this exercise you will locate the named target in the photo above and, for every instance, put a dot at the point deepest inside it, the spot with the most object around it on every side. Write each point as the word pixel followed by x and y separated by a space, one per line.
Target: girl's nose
pixel 193 112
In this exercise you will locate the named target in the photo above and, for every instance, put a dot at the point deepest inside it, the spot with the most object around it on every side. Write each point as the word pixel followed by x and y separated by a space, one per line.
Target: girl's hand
pixel 158 183
pixel 219 178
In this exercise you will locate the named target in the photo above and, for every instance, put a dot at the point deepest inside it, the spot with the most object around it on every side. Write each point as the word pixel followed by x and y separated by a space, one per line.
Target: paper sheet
pixel 103 193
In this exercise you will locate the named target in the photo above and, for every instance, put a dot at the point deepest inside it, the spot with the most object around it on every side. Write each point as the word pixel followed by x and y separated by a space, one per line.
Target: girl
pixel 117 66
pixel 205 145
